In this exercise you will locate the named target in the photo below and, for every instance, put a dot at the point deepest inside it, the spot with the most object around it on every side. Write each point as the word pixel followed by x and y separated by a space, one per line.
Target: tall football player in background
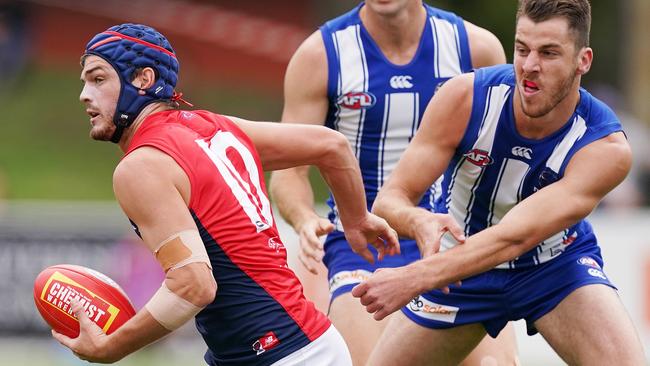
pixel 370 74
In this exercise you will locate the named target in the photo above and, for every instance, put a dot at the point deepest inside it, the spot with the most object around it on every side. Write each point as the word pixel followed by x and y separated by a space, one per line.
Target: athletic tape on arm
pixel 169 309
pixel 181 249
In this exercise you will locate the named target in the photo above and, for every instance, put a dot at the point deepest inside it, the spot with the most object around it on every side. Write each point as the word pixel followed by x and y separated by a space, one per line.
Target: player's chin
pixel 103 133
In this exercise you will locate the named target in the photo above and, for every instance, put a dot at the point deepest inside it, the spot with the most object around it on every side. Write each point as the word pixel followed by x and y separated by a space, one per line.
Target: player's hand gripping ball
pixel 104 301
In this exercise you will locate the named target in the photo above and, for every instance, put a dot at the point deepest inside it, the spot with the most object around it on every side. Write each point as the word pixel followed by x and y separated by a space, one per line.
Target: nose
pixel 531 63
pixel 84 96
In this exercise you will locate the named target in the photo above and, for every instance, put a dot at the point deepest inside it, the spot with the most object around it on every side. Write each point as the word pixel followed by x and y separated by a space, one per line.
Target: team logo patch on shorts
pixel 348 278
pixel 597 273
pixel 267 342
pixel 589 262
pixel 430 310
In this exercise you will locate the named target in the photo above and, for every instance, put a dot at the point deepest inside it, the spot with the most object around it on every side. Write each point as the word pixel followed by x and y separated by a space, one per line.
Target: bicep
pixel 592 172
pixel 286 145
pixel 145 187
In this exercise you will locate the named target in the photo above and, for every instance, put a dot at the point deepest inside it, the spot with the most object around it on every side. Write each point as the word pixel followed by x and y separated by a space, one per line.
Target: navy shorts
pixel 497 296
pixel 346 269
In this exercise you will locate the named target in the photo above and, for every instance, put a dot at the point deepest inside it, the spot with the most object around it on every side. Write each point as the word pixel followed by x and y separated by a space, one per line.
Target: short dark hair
pixel 576 12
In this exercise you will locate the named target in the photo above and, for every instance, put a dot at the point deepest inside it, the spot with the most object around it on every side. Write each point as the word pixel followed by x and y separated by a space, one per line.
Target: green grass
pixel 45 151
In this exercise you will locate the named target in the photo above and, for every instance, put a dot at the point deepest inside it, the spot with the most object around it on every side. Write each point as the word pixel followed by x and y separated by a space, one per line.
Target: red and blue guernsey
pixel 259 314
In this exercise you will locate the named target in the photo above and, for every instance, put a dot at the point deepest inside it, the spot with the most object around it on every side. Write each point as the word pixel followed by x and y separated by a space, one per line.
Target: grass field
pixel 46 152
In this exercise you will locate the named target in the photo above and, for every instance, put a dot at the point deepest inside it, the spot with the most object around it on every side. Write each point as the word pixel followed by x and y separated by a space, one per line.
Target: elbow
pixel 206 293
pixel 335 146
pixel 194 283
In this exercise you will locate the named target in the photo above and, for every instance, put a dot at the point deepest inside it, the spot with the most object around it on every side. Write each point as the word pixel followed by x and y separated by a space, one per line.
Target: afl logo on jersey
pixel 478 157
pixel 357 100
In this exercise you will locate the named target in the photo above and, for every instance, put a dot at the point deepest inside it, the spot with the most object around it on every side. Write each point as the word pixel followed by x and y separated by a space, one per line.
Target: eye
pixel 98 79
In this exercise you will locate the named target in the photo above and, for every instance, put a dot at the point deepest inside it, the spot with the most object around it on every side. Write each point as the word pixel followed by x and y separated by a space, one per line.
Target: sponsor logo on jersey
pixel 478 157
pixel 401 82
pixel 596 273
pixel 430 310
pixel 275 244
pixel 357 100
pixel 267 342
pixel 522 152
pixel 60 290
pixel 589 262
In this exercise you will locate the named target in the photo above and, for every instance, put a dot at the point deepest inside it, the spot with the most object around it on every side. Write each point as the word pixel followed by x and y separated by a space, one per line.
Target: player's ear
pixel 585 57
pixel 144 78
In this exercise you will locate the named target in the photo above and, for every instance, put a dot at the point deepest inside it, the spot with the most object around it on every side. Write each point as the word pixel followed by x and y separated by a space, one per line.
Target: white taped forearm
pixel 181 249
pixel 169 309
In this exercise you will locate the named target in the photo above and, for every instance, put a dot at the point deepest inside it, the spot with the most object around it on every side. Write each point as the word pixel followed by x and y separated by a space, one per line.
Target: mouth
pixel 92 115
pixel 530 87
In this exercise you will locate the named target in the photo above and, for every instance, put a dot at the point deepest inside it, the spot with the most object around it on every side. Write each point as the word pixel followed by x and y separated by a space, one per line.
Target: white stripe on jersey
pixel 353 71
pixel 512 175
pixel 578 128
pixel 555 245
pixel 401 113
pixel 447 55
pixel 467 176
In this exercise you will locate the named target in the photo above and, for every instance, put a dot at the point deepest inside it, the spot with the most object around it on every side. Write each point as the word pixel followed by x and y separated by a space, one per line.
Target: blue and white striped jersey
pixel 494 167
pixel 378 105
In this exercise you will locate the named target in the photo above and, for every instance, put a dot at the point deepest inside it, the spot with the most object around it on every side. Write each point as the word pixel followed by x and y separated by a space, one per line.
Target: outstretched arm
pixel 552 209
pixel 548 211
pixel 285 145
pixel 153 190
pixel 305 101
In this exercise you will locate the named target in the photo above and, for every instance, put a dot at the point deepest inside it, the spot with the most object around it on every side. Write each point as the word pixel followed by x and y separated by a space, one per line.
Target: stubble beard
pixel 102 133
pixel 555 99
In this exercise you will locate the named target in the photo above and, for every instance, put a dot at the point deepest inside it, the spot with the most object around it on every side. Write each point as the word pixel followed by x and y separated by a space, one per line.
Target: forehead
pixel 93 62
pixel 554 31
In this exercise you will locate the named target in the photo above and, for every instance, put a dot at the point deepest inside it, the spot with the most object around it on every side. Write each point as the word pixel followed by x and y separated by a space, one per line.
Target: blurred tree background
pixel 45 152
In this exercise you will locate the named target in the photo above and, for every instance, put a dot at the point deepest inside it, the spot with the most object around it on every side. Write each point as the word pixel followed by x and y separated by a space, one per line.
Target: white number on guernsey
pixel 255 203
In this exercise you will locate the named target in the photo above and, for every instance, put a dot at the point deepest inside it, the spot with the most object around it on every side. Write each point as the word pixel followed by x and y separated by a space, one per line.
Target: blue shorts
pixel 346 269
pixel 495 297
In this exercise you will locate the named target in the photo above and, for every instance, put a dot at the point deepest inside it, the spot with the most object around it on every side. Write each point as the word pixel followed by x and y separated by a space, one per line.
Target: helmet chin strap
pixel 121 123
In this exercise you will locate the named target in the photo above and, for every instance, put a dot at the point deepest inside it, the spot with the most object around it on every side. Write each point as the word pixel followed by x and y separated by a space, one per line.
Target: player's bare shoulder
pixel 307 69
pixel 485 47
pixel 311 52
pixel 145 170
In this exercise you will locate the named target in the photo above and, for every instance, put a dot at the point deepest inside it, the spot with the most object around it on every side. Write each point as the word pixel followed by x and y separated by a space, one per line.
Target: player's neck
pixel 398 35
pixel 540 127
pixel 127 136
